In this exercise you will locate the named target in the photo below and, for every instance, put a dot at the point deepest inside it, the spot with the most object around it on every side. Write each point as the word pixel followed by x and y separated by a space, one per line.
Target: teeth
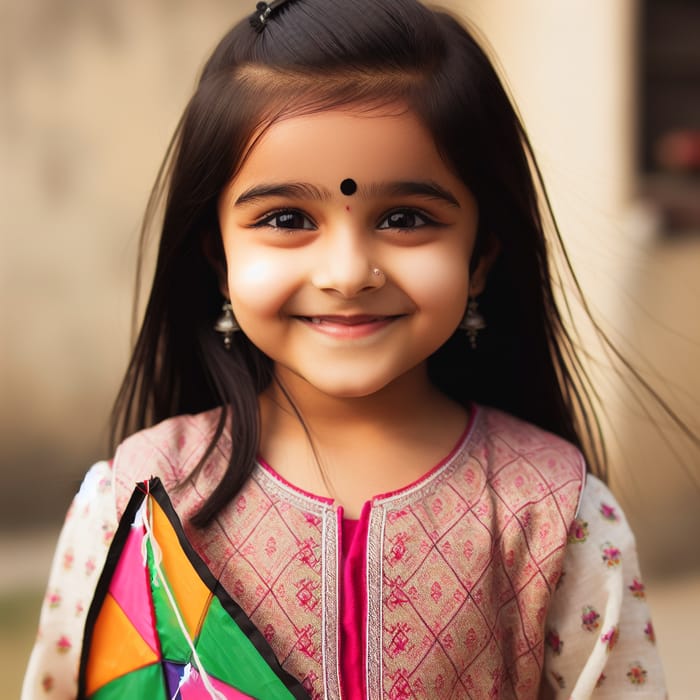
pixel 316 320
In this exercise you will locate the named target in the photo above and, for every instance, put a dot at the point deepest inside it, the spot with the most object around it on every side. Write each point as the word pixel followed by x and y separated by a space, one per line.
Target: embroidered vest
pixel 461 565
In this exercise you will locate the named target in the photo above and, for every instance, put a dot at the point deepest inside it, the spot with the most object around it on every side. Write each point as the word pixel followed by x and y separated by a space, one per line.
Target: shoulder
pixel 506 437
pixel 600 517
pixel 526 465
pixel 169 450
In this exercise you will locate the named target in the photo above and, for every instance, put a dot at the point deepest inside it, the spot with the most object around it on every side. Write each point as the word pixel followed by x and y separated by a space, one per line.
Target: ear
pixel 487 257
pixel 214 253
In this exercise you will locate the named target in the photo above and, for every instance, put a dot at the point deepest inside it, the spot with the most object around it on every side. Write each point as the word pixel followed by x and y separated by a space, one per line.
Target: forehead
pixel 329 146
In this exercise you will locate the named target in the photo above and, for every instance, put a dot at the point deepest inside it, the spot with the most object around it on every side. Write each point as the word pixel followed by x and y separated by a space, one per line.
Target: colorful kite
pixel 160 625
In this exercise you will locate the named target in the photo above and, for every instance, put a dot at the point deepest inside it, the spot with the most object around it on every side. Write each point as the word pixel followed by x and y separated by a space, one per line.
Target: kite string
pixel 186 673
pixel 147 521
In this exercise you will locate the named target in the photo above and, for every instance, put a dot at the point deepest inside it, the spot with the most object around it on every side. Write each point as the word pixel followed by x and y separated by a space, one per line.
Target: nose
pixel 344 265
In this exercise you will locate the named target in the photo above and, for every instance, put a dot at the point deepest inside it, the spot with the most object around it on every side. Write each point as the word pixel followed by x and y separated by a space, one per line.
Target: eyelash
pixel 267 219
pixel 410 211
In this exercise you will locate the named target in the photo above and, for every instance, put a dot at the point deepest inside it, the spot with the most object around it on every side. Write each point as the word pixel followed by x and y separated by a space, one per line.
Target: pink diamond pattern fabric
pixel 473 557
pixel 460 566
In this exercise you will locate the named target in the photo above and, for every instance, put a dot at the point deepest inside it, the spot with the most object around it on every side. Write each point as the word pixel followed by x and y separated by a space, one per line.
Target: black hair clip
pixel 263 10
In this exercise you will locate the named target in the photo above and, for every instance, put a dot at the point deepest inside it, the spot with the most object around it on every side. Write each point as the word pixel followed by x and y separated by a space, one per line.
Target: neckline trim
pixel 403 491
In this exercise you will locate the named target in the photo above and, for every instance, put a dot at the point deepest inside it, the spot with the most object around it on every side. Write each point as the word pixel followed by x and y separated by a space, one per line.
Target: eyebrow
pixel 294 190
pixel 304 190
pixel 409 188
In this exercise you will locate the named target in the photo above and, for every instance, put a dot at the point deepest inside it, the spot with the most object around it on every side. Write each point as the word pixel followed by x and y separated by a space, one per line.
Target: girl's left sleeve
pixel 80 554
pixel 599 639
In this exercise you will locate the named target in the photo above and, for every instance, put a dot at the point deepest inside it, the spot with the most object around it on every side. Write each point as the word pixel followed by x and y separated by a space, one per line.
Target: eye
pixel 404 219
pixel 289 219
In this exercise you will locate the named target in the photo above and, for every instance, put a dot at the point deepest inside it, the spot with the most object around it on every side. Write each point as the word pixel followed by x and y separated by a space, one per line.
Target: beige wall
pixel 92 91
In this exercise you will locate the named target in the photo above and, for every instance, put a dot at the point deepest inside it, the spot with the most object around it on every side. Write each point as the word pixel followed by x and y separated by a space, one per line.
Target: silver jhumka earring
pixel 473 322
pixel 226 324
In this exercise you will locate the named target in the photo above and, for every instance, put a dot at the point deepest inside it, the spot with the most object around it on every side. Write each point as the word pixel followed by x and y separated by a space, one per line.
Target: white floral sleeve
pixel 79 559
pixel 599 637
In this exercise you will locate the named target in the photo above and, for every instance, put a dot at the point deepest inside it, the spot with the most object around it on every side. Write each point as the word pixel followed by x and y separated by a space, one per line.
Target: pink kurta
pixel 441 590
pixel 460 566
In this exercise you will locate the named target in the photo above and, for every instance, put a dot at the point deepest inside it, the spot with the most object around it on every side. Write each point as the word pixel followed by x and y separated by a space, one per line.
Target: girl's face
pixel 302 253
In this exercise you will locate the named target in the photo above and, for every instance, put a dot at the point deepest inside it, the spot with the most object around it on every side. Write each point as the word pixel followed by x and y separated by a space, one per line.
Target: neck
pixel 351 448
pixel 409 411
pixel 406 401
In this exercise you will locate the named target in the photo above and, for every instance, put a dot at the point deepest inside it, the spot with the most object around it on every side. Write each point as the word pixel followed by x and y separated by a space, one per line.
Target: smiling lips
pixel 356 326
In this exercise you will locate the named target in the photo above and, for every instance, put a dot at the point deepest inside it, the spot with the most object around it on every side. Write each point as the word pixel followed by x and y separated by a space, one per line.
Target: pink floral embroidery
pixel 400 639
pixel 558 679
pixel 609 513
pixel 611 555
pixel 610 638
pixel 68 559
pixel 90 566
pixel 47 682
pixel 305 642
pixel 311 518
pixel 400 687
pixel 308 684
pixel 649 632
pixel 554 641
pixel 104 484
pixel 436 591
pixel 79 607
pixel 395 515
pixel 398 548
pixel 107 533
pixel 63 645
pixel 307 554
pixel 637 588
pixel 637 675
pixel 306 594
pixel 578 532
pixel 590 619
pixel 397 594
pixel 54 599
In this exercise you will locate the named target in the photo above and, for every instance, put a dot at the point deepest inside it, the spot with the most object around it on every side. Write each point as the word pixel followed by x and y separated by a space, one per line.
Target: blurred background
pixel 90 92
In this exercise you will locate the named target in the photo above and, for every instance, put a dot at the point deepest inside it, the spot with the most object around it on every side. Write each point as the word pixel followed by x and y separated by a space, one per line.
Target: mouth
pixel 353 326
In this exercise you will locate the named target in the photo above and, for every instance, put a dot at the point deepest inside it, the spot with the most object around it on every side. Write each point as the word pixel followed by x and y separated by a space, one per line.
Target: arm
pixel 599 638
pixel 79 558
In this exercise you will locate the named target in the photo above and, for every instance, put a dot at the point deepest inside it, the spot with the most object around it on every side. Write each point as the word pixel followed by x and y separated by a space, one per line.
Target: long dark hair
pixel 314 55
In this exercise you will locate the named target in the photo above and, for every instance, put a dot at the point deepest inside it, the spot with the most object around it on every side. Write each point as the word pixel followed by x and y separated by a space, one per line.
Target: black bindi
pixel 348 186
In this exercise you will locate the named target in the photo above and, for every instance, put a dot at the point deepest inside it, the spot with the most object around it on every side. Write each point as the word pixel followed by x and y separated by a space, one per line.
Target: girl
pixel 356 390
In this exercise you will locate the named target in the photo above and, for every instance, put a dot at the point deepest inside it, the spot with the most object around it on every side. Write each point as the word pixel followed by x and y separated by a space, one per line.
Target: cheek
pixel 258 284
pixel 438 281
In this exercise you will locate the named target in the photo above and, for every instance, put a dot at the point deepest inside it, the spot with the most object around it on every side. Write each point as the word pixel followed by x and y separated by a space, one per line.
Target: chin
pixel 348 390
